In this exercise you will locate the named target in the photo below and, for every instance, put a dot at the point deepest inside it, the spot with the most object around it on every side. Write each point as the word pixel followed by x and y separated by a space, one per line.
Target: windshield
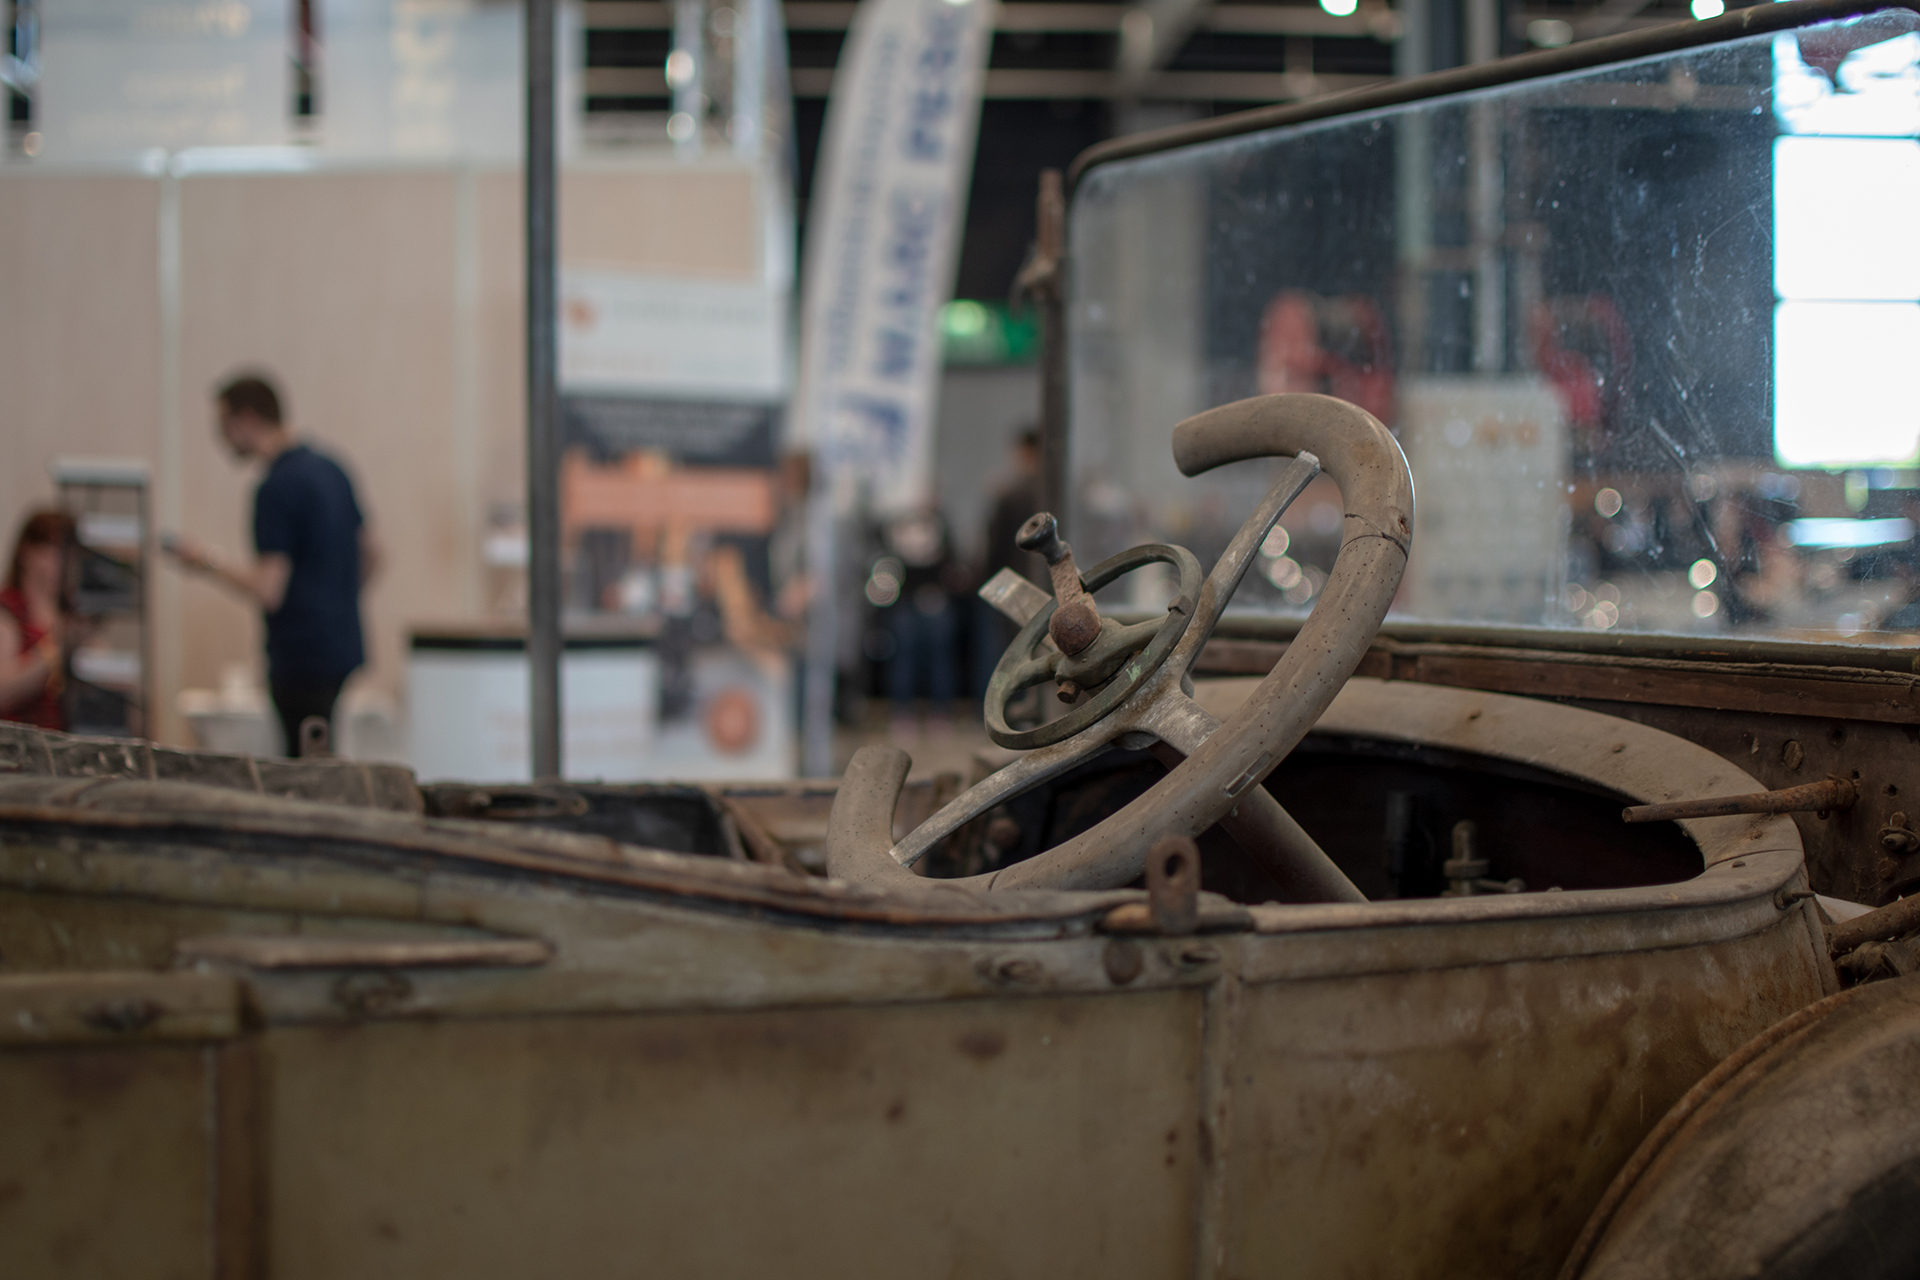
pixel 1647 336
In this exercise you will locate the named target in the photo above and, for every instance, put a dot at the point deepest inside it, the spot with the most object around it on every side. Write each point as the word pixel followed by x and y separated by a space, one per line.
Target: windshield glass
pixel 1647 335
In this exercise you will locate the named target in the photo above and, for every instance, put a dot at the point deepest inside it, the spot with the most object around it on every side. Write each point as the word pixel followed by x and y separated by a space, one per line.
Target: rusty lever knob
pixel 1041 533
pixel 1075 623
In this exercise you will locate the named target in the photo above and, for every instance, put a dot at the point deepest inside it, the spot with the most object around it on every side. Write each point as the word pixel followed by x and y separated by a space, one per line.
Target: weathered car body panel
pixel 710 1064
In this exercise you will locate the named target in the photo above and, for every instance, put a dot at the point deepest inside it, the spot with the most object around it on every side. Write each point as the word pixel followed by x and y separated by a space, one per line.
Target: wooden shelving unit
pixel 109 677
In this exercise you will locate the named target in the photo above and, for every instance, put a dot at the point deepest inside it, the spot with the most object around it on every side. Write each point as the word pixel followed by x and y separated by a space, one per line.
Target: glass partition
pixel 1647 334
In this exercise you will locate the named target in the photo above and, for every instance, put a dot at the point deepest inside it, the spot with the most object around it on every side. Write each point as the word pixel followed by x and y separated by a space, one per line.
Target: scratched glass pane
pixel 1647 335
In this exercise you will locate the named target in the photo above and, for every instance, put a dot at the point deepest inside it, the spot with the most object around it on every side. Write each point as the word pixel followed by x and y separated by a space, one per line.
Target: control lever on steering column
pixel 1076 622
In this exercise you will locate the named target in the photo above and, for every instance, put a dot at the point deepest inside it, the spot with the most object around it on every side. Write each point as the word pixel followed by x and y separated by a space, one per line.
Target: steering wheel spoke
pixel 997 788
pixel 1231 568
pixel 1258 823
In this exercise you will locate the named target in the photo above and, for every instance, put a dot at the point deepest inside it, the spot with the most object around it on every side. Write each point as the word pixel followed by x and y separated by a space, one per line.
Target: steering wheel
pixel 1218 780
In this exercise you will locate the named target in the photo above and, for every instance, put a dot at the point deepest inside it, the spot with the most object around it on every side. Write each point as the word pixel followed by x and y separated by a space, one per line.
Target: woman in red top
pixel 33 609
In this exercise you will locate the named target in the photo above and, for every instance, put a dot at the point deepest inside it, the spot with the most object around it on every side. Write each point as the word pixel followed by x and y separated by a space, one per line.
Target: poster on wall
pixel 436 79
pixel 119 77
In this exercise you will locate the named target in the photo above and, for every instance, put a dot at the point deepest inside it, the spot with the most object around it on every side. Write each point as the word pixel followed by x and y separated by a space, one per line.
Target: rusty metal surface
pixel 1782 712
pixel 954 1140
pixel 116 1007
pixel 1347 1086
pixel 1798 1161
pixel 249 827
pixel 1173 886
pixel 1676 1117
pixel 104 1167
pixel 1892 921
pixel 37 752
pixel 1824 797
pixel 428 1116
pixel 1611 755
pixel 1463 1122
pixel 1224 762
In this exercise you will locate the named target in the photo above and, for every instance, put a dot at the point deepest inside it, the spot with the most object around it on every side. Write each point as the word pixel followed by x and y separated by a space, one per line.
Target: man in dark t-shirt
pixel 312 554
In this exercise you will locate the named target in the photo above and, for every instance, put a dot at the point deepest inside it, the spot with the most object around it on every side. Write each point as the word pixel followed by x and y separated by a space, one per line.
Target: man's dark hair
pixel 251 393
pixel 1027 437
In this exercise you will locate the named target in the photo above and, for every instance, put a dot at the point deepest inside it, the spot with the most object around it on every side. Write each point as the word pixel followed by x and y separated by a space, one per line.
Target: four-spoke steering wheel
pixel 1130 682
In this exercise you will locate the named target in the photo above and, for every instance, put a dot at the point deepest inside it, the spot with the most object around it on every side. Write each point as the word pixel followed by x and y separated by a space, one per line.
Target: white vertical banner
pixel 884 237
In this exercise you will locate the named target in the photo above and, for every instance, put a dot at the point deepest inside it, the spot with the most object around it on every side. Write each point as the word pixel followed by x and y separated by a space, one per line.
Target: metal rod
pixel 1889 922
pixel 543 442
pixel 1050 293
pixel 1834 793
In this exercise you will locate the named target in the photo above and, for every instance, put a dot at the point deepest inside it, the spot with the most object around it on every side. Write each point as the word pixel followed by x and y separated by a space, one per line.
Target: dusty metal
pixel 1075 622
pixel 1893 921
pixel 1122 659
pixel 316 738
pixel 760 843
pixel 1766 706
pixel 1793 1158
pixel 303 952
pixel 44 753
pixel 1665 38
pixel 697 1028
pixel 1043 278
pixel 79 1008
pixel 1173 885
pixel 1812 797
pixel 1014 596
pixel 1777 677
pixel 542 319
pixel 1212 914
pixel 1467 870
pixel 1219 773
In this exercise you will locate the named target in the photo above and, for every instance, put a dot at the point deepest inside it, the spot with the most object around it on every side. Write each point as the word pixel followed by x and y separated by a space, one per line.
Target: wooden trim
pixel 1836 692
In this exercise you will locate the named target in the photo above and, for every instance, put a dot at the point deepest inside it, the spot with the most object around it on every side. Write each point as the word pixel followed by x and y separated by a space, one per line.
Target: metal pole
pixel 543 436
pixel 1049 288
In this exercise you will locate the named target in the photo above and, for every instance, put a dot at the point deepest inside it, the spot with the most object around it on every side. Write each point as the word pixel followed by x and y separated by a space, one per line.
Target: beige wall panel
pixel 79 328
pixel 676 220
pixel 345 286
pixel 501 239
pixel 342 286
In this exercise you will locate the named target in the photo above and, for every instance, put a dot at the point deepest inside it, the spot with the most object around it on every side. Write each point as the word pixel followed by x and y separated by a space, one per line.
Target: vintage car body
pixel 261 1035
pixel 309 1019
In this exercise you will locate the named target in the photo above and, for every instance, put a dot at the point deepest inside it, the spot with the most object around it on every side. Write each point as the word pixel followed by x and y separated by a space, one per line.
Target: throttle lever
pixel 1076 622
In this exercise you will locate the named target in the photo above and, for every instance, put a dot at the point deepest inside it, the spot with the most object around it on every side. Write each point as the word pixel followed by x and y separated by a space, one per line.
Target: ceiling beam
pixel 1041 18
pixel 1164 86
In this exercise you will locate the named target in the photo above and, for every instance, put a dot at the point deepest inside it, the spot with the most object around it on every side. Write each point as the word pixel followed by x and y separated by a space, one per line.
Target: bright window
pixel 1846 193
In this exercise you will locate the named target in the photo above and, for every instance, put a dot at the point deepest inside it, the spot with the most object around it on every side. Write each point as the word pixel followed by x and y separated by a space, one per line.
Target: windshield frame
pixel 1606 51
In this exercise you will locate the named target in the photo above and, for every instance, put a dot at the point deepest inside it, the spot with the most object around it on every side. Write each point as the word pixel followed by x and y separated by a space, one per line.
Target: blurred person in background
pixel 919 574
pixel 36 622
pixel 1015 501
pixel 312 554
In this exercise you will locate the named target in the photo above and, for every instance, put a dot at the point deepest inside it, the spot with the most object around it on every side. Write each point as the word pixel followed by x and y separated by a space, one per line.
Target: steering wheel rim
pixel 1027 654
pixel 1224 761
